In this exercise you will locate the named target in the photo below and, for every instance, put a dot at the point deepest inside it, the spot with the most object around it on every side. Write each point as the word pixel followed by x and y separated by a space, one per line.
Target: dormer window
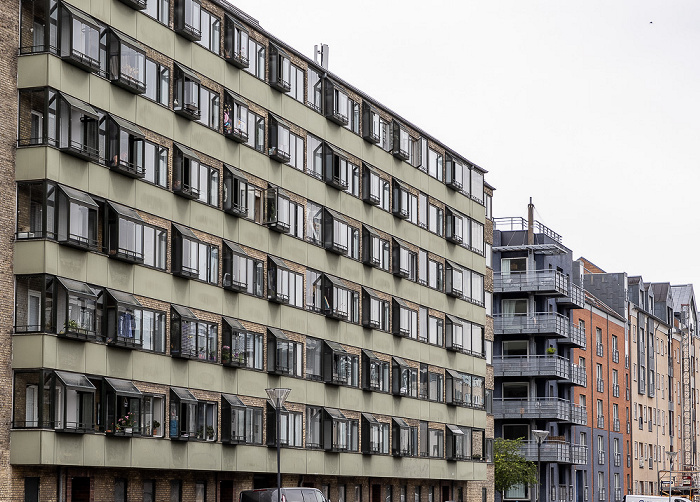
pixel 186 93
pixel 188 18
pixel 454 172
pixel 235 118
pixel 453 279
pixel 121 313
pixel 336 103
pixel 235 192
pixel 335 232
pixel 402 142
pixel 125 147
pixel 284 356
pixel 454 227
pixel 335 167
pixel 77 128
pixel 279 149
pixel 280 69
pixel 403 259
pixel 76 312
pixel 335 302
pixel 405 321
pixel 185 252
pixel 455 333
pixel 125 233
pixel 235 43
pixel 77 222
pixel 127 62
pixel 80 38
pixel 371 127
pixel 185 172
pixel 276 209
pixel 122 408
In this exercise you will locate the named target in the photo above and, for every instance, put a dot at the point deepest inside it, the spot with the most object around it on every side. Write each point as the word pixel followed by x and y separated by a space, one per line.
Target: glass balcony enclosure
pixel 127 62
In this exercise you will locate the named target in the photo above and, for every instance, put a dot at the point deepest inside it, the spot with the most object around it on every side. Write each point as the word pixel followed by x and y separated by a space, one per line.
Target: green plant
pixel 551 351
pixel 156 424
pixel 72 324
pixel 510 466
pixel 210 432
pixel 128 420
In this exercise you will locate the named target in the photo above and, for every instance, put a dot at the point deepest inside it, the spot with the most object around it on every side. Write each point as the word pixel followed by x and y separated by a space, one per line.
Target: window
pixel 283 285
pixel 235 42
pixel 454 231
pixel 405 319
pixel 314 91
pixel 434 164
pixel 477 288
pixel 149 490
pixel 296 151
pixel 210 32
pixel 241 272
pixel 276 213
pixel 477 237
pixel 335 294
pixel 240 347
pixel 405 203
pixel 80 38
pixel 208 266
pixel 336 103
pixel 296 89
pixel 235 117
pixel 188 14
pixel 77 127
pixel 284 356
pixel 375 372
pixel 434 326
pixel 354 116
pixel 435 387
pixel 279 148
pixel 403 143
pixel 183 414
pixel 209 108
pixel 404 438
pixel 209 185
pixel 477 188
pixel 375 249
pixel 435 443
pixel 375 311
pixel 458 443
pixel 76 312
pixel 185 252
pixel 314 358
pixel 150 329
pixel 77 222
pixel 370 123
pixel 435 219
pixel 127 62
pixel 125 147
pixel 240 424
pixel 125 233
pixel 280 69
pixel 335 167
pixel 186 94
pixel 335 232
pixel 73 402
pixel 458 388
pixel 235 192
pixel 155 242
pixel 454 172
pixel 186 172
pixel 191 338
pixel 403 260
pixel 31 488
pixel 436 274
pixel 157 80
pixel 404 378
pixel 339 433
pixel 256 132
pixel 453 279
pixel 120 312
pixel 375 435
pixel 122 407
pixel 291 430
pixel 339 366
pixel 256 59
pixel 158 10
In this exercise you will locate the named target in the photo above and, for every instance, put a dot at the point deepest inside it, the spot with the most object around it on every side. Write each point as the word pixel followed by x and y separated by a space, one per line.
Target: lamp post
pixel 671 457
pixel 278 396
pixel 540 436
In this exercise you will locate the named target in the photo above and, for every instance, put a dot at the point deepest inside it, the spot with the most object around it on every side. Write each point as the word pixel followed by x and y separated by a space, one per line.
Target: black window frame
pixel 186 165
pixel 68 196
pixel 451 340
pixel 120 319
pixel 123 137
pixel 277 129
pixel 86 299
pixel 453 451
pixel 180 234
pixel 184 104
pixel 118 74
pixel 183 414
pixel 398 208
pixel 329 286
pixel 399 368
pixel 88 147
pixel 191 31
pixel 399 305
pixel 233 331
pixel 453 165
pixel 113 243
pixel 232 411
pixel 382 324
pixel 454 232
pixel 368 124
pixel 335 357
pixel 332 240
pixel 368 256
pixel 279 58
pixel 451 288
pixel 271 212
pixel 231 250
pixel 234 32
pixel 333 420
pixel 86 400
pixel 403 443
pixel 331 109
pixel 236 128
pixel 122 407
pixel 396 246
pixel 235 184
pixel 335 167
pixel 398 151
pixel 369 447
pixel 71 54
pixel 379 380
pixel 291 365
pixel 135 4
pixel 276 265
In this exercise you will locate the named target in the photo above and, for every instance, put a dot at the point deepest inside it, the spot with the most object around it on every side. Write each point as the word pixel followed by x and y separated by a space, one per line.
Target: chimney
pixel 322 55
pixel 530 223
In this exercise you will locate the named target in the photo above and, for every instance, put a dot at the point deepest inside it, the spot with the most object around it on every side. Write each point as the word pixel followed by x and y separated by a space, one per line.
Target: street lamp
pixel 540 436
pixel 671 457
pixel 278 397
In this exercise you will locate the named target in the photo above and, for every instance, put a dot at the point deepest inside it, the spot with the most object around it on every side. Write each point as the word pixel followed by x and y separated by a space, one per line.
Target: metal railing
pixel 616 356
pixel 556 451
pixel 601 458
pixel 515 223
pixel 543 281
pixel 616 390
pixel 546 323
pixel 578 375
pixel 616 424
pixel 617 459
pixel 576 296
pixel 600 384
pixel 601 422
pixel 556 366
pixel 540 408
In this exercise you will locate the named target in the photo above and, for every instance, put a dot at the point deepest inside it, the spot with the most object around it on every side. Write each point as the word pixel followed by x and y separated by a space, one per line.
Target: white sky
pixel 589 107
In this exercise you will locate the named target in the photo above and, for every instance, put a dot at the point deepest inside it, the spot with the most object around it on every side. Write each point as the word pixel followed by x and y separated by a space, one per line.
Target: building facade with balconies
pixel 536 287
pixel 195 212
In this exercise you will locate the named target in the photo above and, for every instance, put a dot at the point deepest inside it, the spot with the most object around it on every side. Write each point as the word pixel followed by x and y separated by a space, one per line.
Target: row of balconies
pixel 551 324
pixel 544 282
pixel 539 366
pixel 546 408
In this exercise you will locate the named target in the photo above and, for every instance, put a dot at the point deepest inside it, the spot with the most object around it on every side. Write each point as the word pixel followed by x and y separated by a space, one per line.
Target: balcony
pixel 600 385
pixel 616 356
pixel 556 451
pixel 550 324
pixel 616 390
pixel 548 282
pixel 546 408
pixel 532 366
pixel 578 375
pixel 575 297
pixel 599 349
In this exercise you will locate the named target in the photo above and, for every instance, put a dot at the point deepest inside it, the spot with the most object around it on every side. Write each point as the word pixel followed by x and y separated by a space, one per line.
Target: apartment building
pixel 537 287
pixel 195 212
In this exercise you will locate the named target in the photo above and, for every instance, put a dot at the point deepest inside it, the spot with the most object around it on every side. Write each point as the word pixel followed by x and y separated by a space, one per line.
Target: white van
pixel 655 498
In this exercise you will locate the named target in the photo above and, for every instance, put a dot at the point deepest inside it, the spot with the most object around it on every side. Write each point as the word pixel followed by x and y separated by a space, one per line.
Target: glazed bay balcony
pixel 556 451
pixel 545 408
pixel 550 324
pixel 575 297
pixel 549 282
pixel 532 366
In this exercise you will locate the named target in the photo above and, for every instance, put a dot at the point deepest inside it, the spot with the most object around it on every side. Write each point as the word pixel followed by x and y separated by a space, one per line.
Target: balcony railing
pixel 545 323
pixel 618 494
pixel 600 384
pixel 578 375
pixel 601 422
pixel 616 356
pixel 616 424
pixel 545 366
pixel 599 349
pixel 556 451
pixel 548 408
pixel 601 458
pixel 616 390
pixel 617 458
pixel 534 281
pixel 575 298
pixel 517 223
pixel 601 495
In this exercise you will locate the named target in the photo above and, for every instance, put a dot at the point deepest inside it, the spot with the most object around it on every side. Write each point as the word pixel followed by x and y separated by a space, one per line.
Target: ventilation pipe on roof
pixel 530 223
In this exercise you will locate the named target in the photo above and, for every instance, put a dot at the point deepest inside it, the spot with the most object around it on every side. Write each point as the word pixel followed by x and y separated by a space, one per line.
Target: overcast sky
pixel 590 108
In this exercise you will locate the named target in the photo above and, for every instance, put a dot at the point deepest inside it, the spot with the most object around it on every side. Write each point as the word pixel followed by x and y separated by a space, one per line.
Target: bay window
pixel 375 249
pixel 458 444
pixel 240 347
pixel 335 167
pixel 453 279
pixel 76 309
pixel 77 222
pixel 185 172
pixel 124 233
pixel 405 321
pixel 335 232
pixel 186 92
pixel 314 90
pixel 122 408
pixel 73 399
pixel 370 123
pixel 402 200
pixel 375 372
pixel 455 333
pixel 185 252
pixel 79 38
pixel 403 260
pixel 280 69
pixel 454 172
pixel 336 103
pixel 235 42
pixel 375 436
pixel 375 310
pixel 235 117
pixel 336 431
pixel 404 438
pixel 454 231
pixel 291 427
pixel 183 414
pixel 284 356
pixel 120 312
pixel 458 388
pixel 276 209
pixel 335 303
pixel 339 366
pixel 404 378
pixel 240 424
pixel 188 15
pixel 127 62
pixel 125 149
pixel 402 141
pixel 282 283
pixel 279 139
pixel 77 127
pixel 235 192
pixel 237 267
pixel 191 338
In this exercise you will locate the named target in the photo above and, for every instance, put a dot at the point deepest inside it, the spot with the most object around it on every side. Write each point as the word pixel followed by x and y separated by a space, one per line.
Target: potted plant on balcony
pixel 126 423
pixel 551 351
pixel 156 426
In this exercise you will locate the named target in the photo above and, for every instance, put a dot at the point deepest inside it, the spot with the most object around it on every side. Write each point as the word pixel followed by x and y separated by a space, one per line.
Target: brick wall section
pixel 9 42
